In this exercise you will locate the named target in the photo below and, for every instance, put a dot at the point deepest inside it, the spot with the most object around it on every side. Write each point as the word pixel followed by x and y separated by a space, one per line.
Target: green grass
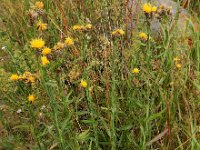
pixel 158 108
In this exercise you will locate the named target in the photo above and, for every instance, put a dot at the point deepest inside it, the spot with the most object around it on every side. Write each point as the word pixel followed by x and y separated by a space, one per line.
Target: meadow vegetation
pixel 99 75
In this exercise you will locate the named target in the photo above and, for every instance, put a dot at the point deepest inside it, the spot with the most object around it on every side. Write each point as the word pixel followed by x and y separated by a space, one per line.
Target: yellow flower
pixel 31 98
pixel 59 46
pixel 69 41
pixel 77 27
pixel 14 77
pixel 39 5
pixel 135 71
pixel 114 32
pixel 41 26
pixel 37 43
pixel 44 60
pixel 118 32
pixel 178 65
pixel 28 77
pixel 154 9
pixel 46 51
pixel 176 59
pixel 147 8
pixel 121 32
pixel 143 36
pixel 26 74
pixel 83 83
pixel 88 26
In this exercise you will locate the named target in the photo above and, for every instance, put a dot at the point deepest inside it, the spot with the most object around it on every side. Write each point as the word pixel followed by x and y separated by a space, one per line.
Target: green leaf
pixel 88 121
pixel 106 127
pixel 82 113
pixel 23 126
pixel 84 135
pixel 126 127
pixel 154 116
pixel 65 123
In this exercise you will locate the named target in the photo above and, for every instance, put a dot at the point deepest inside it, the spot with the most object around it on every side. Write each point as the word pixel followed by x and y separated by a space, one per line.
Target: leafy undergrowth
pixel 99 75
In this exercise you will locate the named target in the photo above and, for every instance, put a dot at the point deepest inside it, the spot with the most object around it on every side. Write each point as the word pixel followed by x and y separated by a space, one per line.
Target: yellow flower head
pixel 83 83
pixel 31 79
pixel 44 60
pixel 147 8
pixel 154 9
pixel 59 46
pixel 121 32
pixel 178 65
pixel 28 77
pixel 37 43
pixel 31 98
pixel 78 27
pixel 39 5
pixel 14 77
pixel 118 32
pixel 69 41
pixel 46 51
pixel 26 74
pixel 143 36
pixel 114 32
pixel 41 26
pixel 135 71
pixel 88 26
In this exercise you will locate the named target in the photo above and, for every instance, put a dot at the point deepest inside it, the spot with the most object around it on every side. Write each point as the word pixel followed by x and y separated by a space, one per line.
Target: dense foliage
pixel 99 74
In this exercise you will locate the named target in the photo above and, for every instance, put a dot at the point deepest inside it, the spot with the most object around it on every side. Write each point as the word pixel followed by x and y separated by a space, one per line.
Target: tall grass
pixel 157 108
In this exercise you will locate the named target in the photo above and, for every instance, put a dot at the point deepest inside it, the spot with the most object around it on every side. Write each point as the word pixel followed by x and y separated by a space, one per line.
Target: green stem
pixel 53 105
pixel 33 120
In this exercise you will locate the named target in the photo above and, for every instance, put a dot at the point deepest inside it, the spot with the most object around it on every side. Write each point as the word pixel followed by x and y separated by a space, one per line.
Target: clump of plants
pixel 76 75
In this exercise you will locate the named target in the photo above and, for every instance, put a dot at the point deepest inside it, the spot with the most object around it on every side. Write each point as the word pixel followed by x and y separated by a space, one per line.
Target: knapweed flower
pixel 26 74
pixel 69 41
pixel 37 43
pixel 28 77
pixel 118 32
pixel 39 5
pixel 135 71
pixel 59 46
pixel 41 26
pixel 83 83
pixel 178 65
pixel 31 98
pixel 77 28
pixel 14 77
pixel 154 9
pixel 121 32
pixel 143 36
pixel 44 60
pixel 88 26
pixel 46 51
pixel 148 8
